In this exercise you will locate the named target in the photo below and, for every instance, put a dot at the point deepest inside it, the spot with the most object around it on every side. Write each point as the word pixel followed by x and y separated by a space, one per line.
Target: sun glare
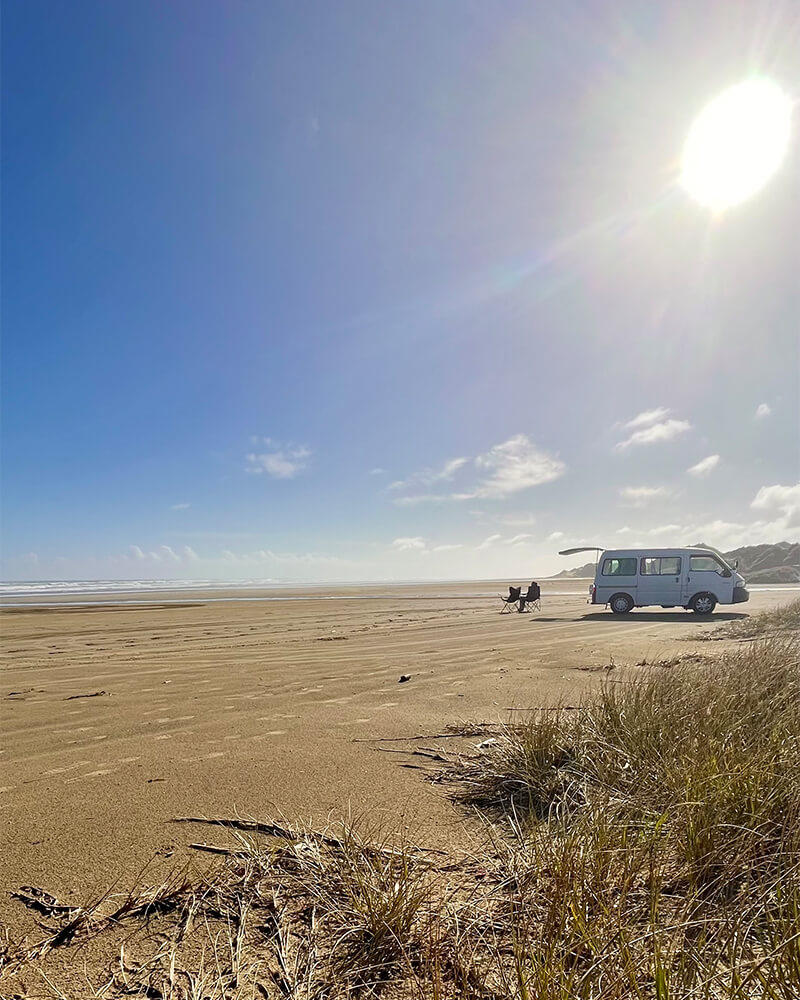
pixel 736 143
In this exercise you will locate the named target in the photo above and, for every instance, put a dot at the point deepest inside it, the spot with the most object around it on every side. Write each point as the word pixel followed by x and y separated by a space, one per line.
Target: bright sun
pixel 736 143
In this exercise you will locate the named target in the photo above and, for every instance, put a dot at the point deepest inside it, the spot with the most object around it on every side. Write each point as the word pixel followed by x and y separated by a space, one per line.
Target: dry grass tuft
pixel 784 620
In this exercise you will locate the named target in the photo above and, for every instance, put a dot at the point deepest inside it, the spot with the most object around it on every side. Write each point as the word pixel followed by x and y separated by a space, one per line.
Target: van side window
pixel 661 566
pixel 619 567
pixel 705 564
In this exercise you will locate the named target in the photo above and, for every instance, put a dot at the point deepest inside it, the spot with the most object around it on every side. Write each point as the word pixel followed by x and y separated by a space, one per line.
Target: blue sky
pixel 379 291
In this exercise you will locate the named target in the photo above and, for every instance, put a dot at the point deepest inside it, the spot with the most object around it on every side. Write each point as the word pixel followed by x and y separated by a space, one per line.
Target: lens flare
pixel 737 143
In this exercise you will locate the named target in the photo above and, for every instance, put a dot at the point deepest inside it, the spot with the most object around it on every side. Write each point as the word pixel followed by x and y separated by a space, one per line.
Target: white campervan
pixel 695 579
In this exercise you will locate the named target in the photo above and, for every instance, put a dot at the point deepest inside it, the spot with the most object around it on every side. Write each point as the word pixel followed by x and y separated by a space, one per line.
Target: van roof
pixel 675 550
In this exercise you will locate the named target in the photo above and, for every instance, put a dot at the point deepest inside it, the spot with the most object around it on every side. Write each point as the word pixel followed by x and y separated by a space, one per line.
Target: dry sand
pixel 115 720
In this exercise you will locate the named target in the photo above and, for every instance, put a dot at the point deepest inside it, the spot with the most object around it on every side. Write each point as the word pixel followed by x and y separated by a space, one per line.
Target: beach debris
pixel 404 678
pixel 93 694
pixel 674 661
pixel 331 638
pixel 287 833
pixel 486 743
pixel 430 752
pixel 37 899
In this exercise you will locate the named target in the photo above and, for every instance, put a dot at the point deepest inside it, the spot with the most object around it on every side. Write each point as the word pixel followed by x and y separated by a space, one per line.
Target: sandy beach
pixel 117 719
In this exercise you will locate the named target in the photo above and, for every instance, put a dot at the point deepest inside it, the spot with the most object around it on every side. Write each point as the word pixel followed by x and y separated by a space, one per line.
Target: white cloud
pixel 189 553
pixel 487 543
pixel 409 544
pixel 446 548
pixel 517 539
pixel 624 531
pixel 638 496
pixel 646 418
pixel 783 503
pixel 449 469
pixel 281 462
pixel 377 472
pixel 554 536
pixel 763 410
pixel 428 477
pixel 705 466
pixel 180 506
pixel 136 552
pixel 516 464
pixel 414 499
pixel 667 430
pixel 170 553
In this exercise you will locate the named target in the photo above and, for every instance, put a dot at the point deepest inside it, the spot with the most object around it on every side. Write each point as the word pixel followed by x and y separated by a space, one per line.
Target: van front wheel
pixel 703 604
pixel 621 604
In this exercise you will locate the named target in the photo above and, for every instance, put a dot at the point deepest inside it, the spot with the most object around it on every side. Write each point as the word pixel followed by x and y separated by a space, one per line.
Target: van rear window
pixel 619 567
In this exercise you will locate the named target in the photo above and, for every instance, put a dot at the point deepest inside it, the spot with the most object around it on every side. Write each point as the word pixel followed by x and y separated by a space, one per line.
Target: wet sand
pixel 118 719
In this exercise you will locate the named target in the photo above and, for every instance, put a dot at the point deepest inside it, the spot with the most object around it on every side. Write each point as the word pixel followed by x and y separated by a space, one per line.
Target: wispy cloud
pixel 487 543
pixel 429 477
pixel 136 552
pixel 507 468
pixel 417 498
pixel 666 430
pixel 516 464
pixel 517 539
pixel 646 418
pixel 639 496
pixel 180 506
pixel 282 461
pixel 407 544
pixel 377 472
pixel 763 410
pixel 554 536
pixel 446 548
pixel 704 467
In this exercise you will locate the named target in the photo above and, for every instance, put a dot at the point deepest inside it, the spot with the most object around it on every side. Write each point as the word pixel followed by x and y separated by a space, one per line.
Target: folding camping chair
pixel 532 601
pixel 510 601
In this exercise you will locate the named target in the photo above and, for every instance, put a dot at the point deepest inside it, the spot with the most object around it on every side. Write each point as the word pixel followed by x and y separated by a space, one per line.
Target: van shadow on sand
pixel 663 616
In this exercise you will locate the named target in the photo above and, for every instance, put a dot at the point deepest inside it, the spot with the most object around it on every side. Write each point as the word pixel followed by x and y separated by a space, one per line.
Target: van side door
pixel 660 580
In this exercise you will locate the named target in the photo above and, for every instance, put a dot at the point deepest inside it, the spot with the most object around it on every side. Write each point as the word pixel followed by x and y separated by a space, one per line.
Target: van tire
pixel 621 604
pixel 703 604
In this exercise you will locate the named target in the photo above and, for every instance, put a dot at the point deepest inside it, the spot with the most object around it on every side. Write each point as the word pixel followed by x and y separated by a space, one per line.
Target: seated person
pixel 532 595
